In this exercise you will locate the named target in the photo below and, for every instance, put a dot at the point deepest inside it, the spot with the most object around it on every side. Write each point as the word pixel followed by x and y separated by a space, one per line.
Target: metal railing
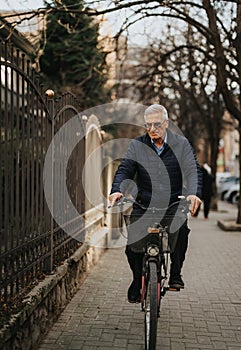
pixel 31 242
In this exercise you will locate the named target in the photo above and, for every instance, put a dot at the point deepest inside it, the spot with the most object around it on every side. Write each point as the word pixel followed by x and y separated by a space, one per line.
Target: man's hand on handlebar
pixel 114 197
pixel 195 202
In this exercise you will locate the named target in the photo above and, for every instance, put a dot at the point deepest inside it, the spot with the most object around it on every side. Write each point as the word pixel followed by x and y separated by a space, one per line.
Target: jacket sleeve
pixel 126 170
pixel 192 171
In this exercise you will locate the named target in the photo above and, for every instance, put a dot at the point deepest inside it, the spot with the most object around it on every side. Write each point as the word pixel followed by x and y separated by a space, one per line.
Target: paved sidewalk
pixel 205 315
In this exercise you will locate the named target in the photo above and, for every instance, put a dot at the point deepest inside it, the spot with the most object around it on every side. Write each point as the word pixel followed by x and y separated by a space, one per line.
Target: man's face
pixel 156 126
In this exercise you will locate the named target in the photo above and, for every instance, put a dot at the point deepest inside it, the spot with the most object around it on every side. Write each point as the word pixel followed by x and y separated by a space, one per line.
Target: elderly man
pixel 163 166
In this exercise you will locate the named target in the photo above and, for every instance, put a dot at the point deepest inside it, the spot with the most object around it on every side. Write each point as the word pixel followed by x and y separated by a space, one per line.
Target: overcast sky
pixel 138 32
pixel 20 4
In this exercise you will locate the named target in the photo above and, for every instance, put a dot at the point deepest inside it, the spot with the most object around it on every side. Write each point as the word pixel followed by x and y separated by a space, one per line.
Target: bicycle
pixel 156 244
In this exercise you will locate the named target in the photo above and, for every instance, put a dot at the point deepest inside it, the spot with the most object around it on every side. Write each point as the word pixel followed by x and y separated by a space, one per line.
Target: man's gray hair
pixel 156 109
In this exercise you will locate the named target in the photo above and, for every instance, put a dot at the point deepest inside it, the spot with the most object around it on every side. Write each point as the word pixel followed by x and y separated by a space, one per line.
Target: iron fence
pixel 31 241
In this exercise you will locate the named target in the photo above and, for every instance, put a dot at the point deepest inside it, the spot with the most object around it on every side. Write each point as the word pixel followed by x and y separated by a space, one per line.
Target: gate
pixel 31 241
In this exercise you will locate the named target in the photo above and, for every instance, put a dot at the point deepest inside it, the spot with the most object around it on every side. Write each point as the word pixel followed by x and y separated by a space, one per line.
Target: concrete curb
pixel 229 225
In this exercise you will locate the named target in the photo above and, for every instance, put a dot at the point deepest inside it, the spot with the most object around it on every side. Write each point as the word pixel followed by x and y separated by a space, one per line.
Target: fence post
pixel 50 103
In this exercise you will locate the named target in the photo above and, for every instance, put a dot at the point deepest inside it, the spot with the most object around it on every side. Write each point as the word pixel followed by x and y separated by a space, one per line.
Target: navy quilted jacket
pixel 158 180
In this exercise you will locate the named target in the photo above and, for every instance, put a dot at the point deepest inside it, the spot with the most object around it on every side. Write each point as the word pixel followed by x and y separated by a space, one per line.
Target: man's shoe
pixel 134 295
pixel 176 282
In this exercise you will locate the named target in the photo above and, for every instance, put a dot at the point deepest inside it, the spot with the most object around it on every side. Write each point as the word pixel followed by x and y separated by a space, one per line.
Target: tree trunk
pixel 239 202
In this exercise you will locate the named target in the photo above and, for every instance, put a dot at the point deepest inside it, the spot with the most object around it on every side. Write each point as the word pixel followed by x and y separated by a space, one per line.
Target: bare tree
pixel 219 22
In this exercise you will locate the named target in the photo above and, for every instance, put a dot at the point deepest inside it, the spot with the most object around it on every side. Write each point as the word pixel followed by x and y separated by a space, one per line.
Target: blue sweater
pixel 159 180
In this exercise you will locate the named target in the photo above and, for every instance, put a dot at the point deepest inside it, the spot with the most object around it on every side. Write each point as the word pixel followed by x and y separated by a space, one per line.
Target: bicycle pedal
pixel 173 289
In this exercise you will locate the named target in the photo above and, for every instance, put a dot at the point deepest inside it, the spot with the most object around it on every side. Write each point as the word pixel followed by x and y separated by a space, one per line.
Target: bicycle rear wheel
pixel 151 308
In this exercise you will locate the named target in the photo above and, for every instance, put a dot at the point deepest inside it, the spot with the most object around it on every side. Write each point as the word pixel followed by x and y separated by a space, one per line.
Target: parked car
pixel 221 177
pixel 232 194
pixel 226 184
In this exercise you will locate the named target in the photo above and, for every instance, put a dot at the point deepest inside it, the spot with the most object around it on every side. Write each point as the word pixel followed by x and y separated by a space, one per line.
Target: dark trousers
pixel 177 257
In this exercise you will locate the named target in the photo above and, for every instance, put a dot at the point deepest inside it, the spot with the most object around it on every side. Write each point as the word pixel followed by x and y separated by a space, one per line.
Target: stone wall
pixel 45 302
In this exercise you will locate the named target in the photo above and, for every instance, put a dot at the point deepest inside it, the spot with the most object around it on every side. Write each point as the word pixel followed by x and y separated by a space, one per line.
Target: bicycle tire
pixel 151 308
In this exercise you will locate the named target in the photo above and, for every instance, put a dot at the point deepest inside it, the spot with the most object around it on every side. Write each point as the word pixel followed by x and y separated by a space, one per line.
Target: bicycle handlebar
pixel 123 200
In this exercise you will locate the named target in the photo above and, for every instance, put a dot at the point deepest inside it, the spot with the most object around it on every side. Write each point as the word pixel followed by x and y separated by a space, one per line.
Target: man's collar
pixel 170 138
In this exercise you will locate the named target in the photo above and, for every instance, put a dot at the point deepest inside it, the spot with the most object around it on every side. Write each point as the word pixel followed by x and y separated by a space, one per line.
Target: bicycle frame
pixel 160 259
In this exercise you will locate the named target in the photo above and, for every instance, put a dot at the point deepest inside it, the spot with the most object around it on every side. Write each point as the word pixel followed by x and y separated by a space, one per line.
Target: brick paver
pixel 205 315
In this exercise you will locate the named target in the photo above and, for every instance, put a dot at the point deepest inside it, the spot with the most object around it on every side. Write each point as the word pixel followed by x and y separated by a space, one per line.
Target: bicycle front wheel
pixel 151 308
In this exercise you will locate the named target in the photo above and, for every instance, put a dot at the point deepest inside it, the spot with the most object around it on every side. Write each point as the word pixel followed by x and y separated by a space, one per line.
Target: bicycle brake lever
pixel 120 202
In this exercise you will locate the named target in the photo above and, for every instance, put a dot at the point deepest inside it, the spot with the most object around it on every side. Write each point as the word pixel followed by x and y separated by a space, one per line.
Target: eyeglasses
pixel 155 125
